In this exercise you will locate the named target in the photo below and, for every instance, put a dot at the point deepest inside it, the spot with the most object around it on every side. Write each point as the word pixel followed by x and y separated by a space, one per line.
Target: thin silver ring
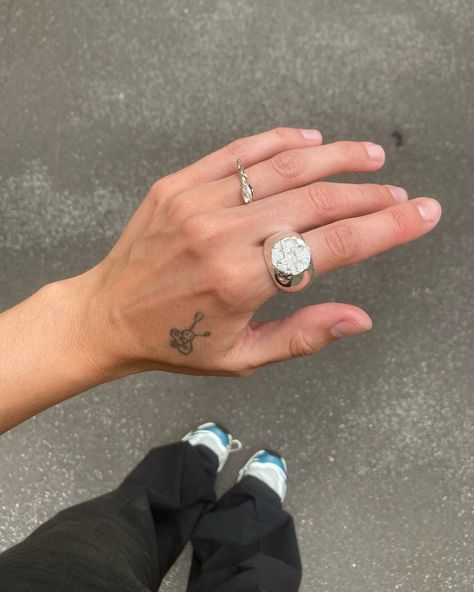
pixel 247 190
pixel 288 259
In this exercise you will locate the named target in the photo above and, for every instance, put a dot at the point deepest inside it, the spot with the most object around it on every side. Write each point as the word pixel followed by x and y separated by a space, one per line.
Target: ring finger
pixel 295 168
pixel 251 149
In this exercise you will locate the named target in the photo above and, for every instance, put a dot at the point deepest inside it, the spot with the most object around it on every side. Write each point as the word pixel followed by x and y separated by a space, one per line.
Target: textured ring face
pixel 291 255
pixel 288 259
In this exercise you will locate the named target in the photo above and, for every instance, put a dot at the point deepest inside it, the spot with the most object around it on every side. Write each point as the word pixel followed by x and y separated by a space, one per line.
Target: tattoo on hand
pixel 183 340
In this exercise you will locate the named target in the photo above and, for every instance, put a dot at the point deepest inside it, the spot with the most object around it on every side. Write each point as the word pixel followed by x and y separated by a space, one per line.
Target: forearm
pixel 44 353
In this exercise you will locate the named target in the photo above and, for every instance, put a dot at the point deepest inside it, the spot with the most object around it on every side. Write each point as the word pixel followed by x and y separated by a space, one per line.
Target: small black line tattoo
pixel 183 340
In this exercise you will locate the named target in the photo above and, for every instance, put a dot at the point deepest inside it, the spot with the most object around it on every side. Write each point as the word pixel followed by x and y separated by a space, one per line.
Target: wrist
pixel 89 332
pixel 52 348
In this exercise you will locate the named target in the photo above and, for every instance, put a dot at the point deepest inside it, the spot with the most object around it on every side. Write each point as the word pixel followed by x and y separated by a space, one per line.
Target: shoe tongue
pixel 222 435
pixel 266 457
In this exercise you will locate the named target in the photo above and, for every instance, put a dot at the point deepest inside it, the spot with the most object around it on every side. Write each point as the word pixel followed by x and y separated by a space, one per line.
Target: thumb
pixel 302 333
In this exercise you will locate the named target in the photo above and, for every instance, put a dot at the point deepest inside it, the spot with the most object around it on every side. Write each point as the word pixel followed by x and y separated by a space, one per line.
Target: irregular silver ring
pixel 247 190
pixel 288 259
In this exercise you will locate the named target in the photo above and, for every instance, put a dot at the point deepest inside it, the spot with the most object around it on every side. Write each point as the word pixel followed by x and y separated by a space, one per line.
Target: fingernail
pixel 349 327
pixel 399 194
pixel 312 134
pixel 430 209
pixel 375 151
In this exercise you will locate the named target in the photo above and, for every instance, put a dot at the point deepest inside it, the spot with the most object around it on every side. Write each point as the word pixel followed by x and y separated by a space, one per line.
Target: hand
pixel 180 287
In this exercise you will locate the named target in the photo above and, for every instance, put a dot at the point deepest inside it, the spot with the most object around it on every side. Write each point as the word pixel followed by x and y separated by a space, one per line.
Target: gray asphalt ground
pixel 99 98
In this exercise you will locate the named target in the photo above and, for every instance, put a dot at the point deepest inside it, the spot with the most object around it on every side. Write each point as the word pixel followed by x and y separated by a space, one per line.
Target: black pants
pixel 126 540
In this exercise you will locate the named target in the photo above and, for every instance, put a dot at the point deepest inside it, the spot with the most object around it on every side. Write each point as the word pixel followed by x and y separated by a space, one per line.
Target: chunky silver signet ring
pixel 288 259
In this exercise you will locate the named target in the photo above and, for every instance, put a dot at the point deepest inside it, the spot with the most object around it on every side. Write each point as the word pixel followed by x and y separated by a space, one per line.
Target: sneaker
pixel 215 437
pixel 270 468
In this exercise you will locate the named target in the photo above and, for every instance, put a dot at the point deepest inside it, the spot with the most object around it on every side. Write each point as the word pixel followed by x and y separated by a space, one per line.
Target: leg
pixel 247 543
pixel 124 540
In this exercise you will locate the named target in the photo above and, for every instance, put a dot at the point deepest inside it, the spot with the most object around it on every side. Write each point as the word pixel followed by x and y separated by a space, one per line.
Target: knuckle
pixel 341 242
pixel 288 164
pixel 226 288
pixel 200 230
pixel 165 186
pixel 156 193
pixel 181 207
pixel 348 151
pixel 322 198
pixel 379 193
pixel 238 148
pixel 281 134
pixel 299 346
pixel 399 221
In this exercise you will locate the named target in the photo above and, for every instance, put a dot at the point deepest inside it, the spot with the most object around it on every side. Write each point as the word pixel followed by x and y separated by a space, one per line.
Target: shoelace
pixel 238 445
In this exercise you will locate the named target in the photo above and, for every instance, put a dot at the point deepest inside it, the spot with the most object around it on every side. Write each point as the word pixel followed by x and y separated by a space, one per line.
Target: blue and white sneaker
pixel 217 439
pixel 270 468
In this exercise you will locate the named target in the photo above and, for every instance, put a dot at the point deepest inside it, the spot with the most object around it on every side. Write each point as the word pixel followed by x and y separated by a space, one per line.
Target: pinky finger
pixel 302 333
